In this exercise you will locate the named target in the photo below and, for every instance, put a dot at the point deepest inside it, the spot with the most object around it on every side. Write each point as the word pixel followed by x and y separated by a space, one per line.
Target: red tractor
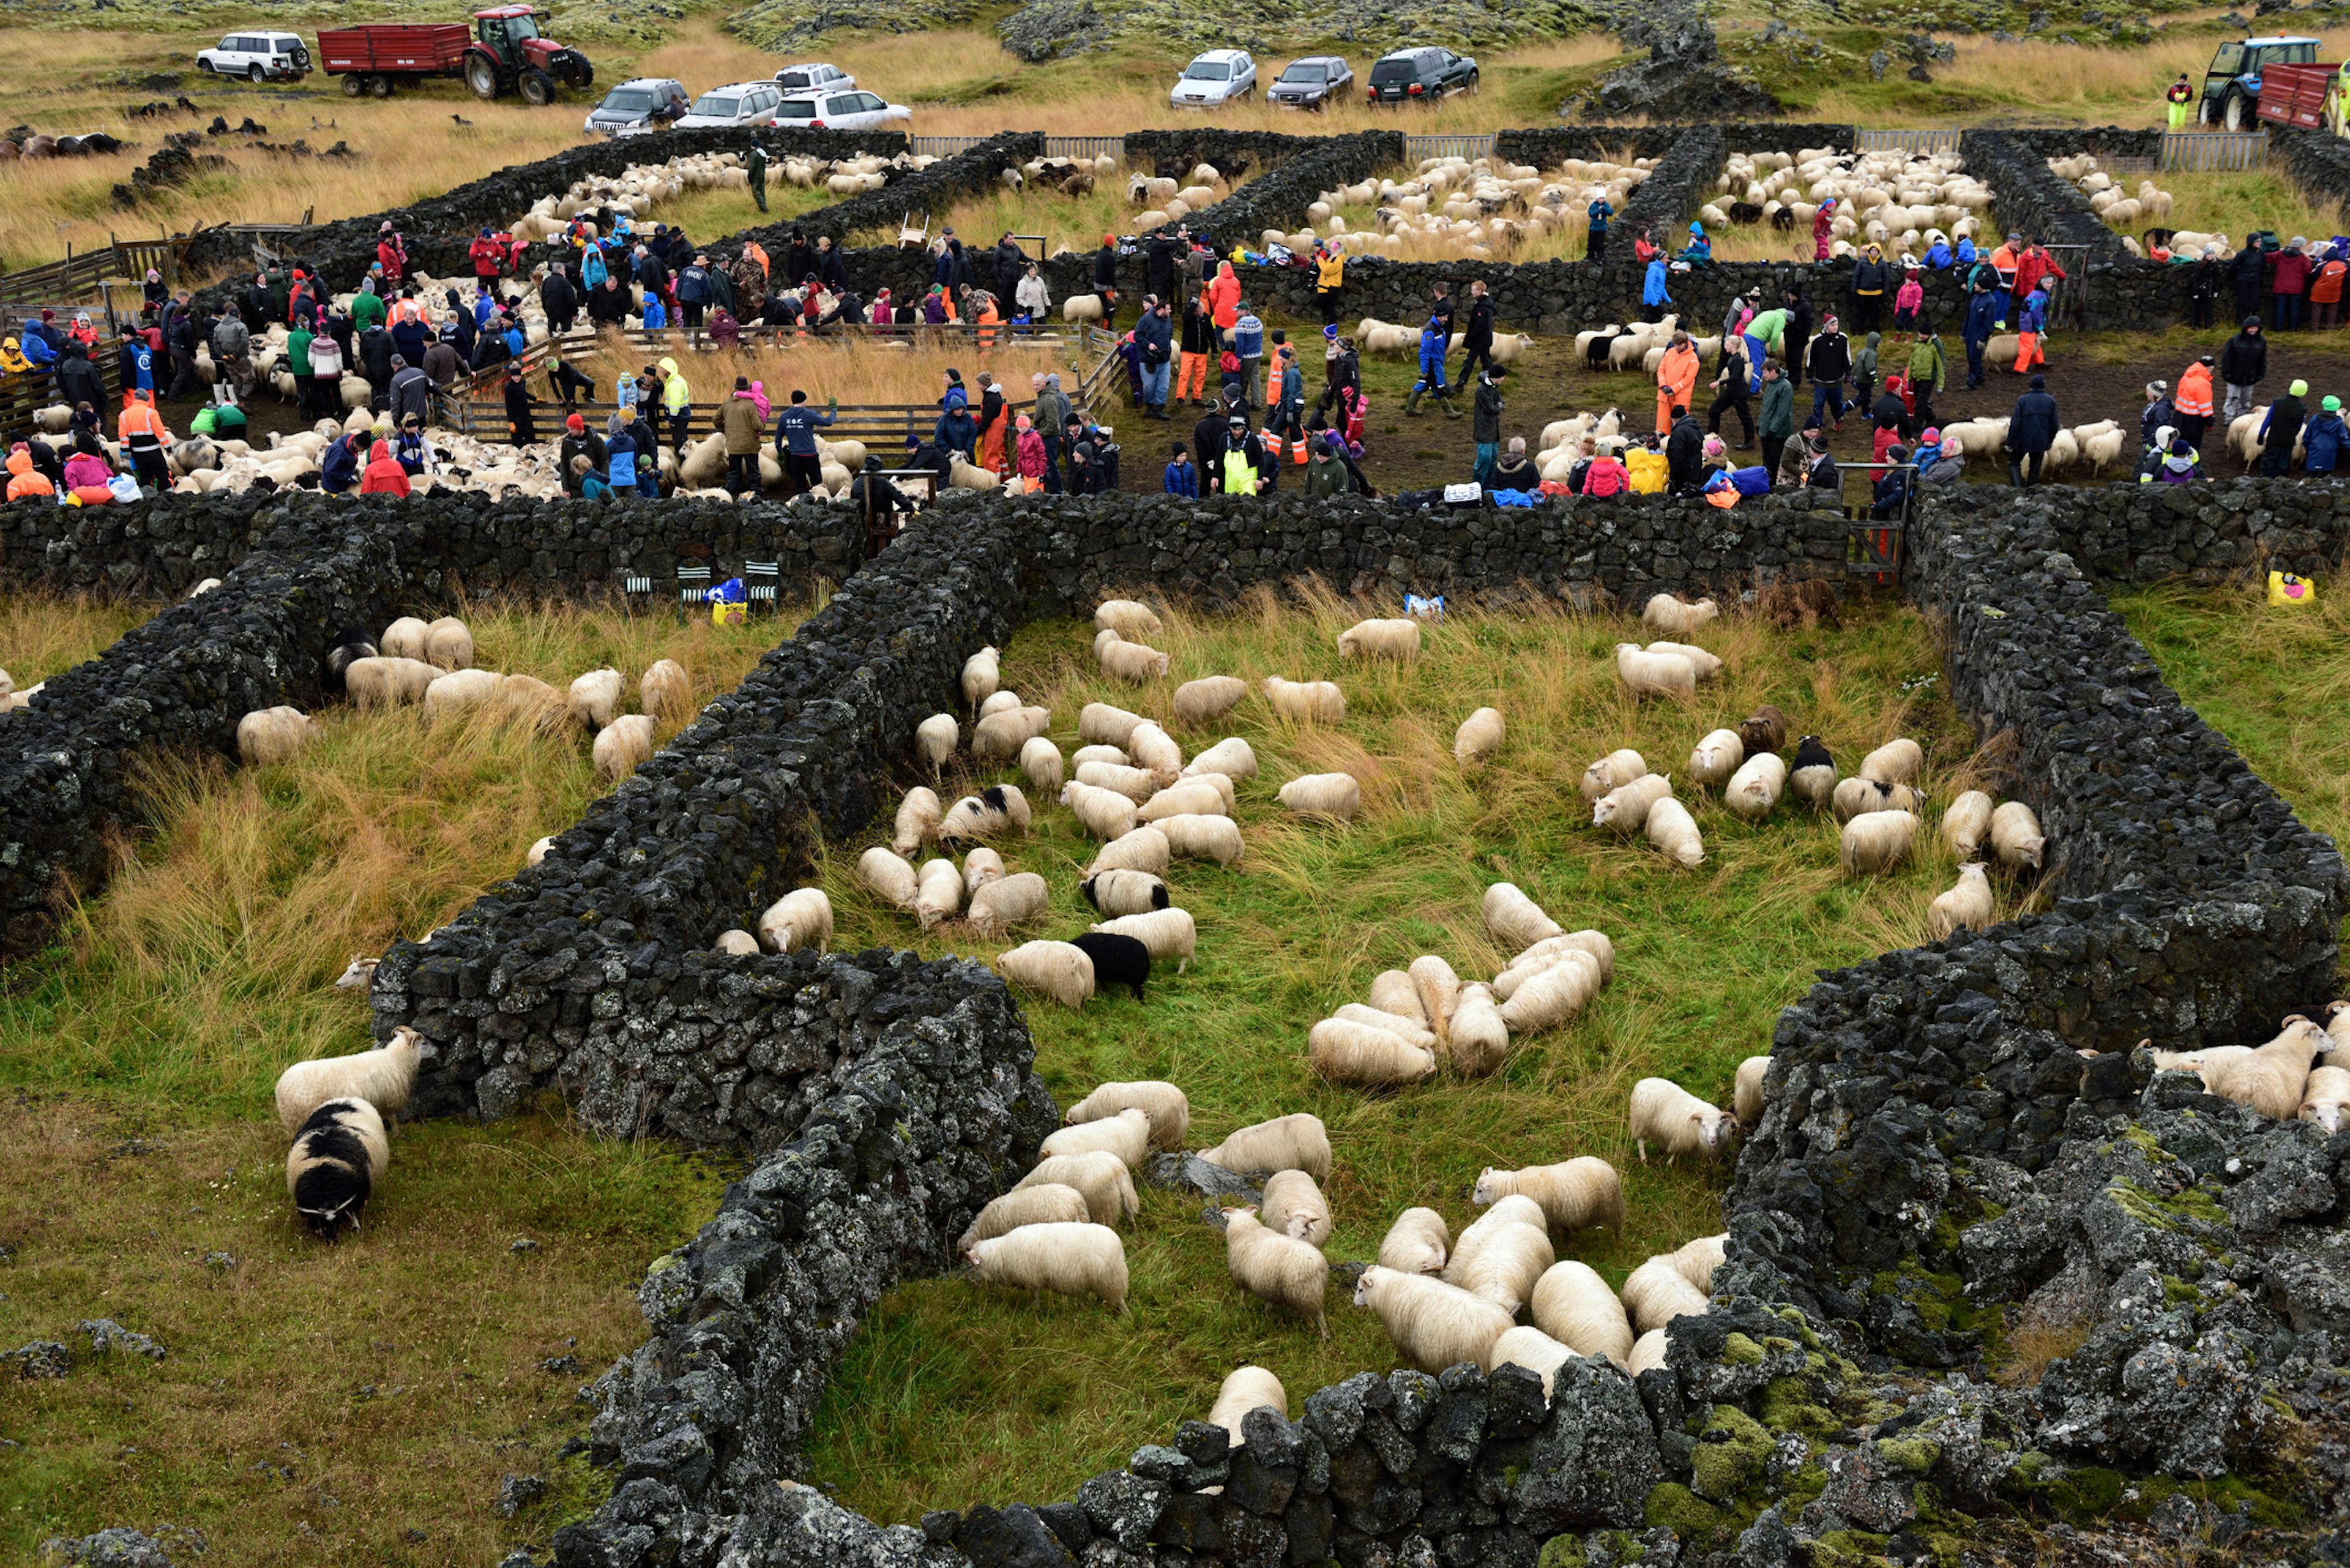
pixel 510 55
pixel 506 54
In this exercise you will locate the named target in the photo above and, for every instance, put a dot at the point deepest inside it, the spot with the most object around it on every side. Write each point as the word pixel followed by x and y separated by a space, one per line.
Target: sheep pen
pixel 1031 1399
pixel 1762 204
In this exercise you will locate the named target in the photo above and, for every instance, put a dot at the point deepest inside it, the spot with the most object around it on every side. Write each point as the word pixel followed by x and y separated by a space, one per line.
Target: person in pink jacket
pixel 1028 452
pixel 1909 299
pixel 1823 237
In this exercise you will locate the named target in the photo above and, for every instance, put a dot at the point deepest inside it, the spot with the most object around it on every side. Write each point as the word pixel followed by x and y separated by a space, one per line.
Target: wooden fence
pixel 2210 152
pixel 21 395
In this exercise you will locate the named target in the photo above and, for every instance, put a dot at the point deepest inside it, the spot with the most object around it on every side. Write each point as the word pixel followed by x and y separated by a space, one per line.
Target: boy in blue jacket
pixel 1181 478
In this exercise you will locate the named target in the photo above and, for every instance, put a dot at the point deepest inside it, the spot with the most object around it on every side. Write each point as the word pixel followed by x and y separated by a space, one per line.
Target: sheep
pixel 1055 969
pixel 1417 1243
pixel 1895 762
pixel 339 1155
pixel 1765 730
pixel 386 681
pixel 1478 1035
pixel 383 1077
pixel 981 673
pixel 1655 1293
pixel 1655 674
pixel 1164 1104
pixel 1755 787
pixel 1294 1142
pixel 1647 1353
pixel 267 736
pixel 404 639
pixel 1393 990
pixel 2273 1078
pixel 1118 892
pixel 461 690
pixel 1153 750
pixel 918 820
pixel 1544 955
pixel 448 645
pixel 1081 307
pixel 997 702
pixel 1068 1259
pixel 1295 1207
pixel 1397 639
pixel 623 747
pixel 1478 737
pixel 1579 1194
pixel 938 894
pixel 800 918
pixel 1611 772
pixel 1040 763
pixel 350 645
pixel 1553 996
pixel 1118 960
pixel 1232 757
pixel 1324 795
pixel 1198 799
pixel 1515 919
pixel 1696 1260
pixel 1104 812
pixel 1532 1349
pixel 1136 784
pixel 1717 757
pixel 1673 831
pixel 1573 1306
pixel 891 877
pixel 1679 1121
pixel 1966 906
pixel 1705 664
pixel 537 851
pixel 997 809
pixel 1133 662
pixel 998 737
pixel 1436 986
pixel 1748 1094
pixel 2325 1096
pixel 1306 702
pixel 1110 754
pixel 1502 1253
pixel 1626 808
pixel 1195 837
pixel 735 943
pixel 1670 616
pixel 1246 1389
pixel 1100 721
pixel 1207 699
pixel 934 740
pixel 1168 933
pixel 1126 1135
pixel 2016 837
pixel 1877 841
pixel 1433 1324
pixel 1857 795
pixel 1344 1052
pixel 1101 1175
pixel 1814 777
pixel 1274 1267
pixel 1145 848
pixel 1048 1203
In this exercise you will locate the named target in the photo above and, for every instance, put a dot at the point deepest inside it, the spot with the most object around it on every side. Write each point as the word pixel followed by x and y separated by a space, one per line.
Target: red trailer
pixel 505 53
pixel 2301 96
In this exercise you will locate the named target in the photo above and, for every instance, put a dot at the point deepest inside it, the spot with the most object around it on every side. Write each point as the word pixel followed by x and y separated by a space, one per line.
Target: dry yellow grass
pixel 42 635
pixel 858 374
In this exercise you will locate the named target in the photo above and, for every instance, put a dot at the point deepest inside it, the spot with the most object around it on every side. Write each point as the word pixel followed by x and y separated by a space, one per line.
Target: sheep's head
pixel 2029 851
pixel 1715 1129
pixel 359 975
pixel 1363 1285
pixel 1487 1188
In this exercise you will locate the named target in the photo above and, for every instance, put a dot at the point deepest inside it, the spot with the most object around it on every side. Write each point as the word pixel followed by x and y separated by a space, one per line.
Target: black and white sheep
pixel 339 1153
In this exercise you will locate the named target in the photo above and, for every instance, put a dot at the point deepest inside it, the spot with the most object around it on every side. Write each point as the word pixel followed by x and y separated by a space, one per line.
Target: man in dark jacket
pixel 375 362
pixel 1982 317
pixel 340 464
pixel 799 262
pixel 1011 264
pixel 1830 363
pixel 2281 428
pixel 829 271
pixel 2247 270
pixel 878 501
pixel 609 303
pixel 1730 393
pixel 2031 430
pixel 1159 257
pixel 1778 422
pixel 560 299
pixel 1485 421
pixel 179 338
pixel 2203 281
pixel 441 361
pixel 694 291
pixel 409 392
pixel 1106 279
pixel 1208 450
pixel 78 378
pixel 1684 453
pixel 1154 340
pixel 1796 337
pixel 1477 337
pixel 2243 363
pixel 578 441
pixel 521 429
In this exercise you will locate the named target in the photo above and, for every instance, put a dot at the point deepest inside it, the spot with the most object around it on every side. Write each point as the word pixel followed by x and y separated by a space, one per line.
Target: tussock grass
pixel 957 1393
pixel 43 635
pixel 208 964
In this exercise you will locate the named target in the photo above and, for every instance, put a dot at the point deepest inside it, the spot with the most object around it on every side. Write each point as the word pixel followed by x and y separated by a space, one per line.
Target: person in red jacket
pixel 488 254
pixel 2291 281
pixel 384 476
pixel 392 251
pixel 2033 264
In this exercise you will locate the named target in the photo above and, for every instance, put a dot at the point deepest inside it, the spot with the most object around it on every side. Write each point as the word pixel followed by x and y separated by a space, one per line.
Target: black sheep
pixel 1117 961
pixel 1745 213
pixel 350 643
pixel 1784 219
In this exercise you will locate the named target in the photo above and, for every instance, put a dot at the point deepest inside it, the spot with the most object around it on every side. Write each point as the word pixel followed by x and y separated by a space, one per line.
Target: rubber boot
pixel 1411 403
pixel 1444 401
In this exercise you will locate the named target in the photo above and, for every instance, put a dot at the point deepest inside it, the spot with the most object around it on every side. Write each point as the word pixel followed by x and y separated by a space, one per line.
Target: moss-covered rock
pixel 1731 1449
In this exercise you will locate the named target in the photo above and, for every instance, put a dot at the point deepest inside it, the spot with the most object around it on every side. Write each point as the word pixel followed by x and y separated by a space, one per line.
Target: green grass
pixel 957 1393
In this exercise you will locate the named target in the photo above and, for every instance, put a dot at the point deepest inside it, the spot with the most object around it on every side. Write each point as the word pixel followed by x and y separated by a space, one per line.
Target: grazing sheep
pixel 1136 784
pixel 1066 1259
pixel 891 877
pixel 1195 837
pixel 938 893
pixel 1748 1094
pixel 1502 1253
pixel 1133 662
pixel 1295 1207
pixel 1573 1306
pixel 1765 730
pixel 1196 799
pixel 1104 812
pixel 1696 1260
pixel 1164 1104
pixel 997 809
pixel 1716 758
pixel 1965 824
pixel 981 674
pixel 1118 891
pixel 1532 1349
pixel 1393 990
pixel 1479 1036
pixel 998 736
pixel 622 747
pixel 1677 1120
pixel 1647 1353
pixel 1857 795
pixel 448 645
pixel 1673 831
pixel 1579 1194
pixel 1813 778
pixel 1433 1324
pixel 383 680
pixel 934 740
pixel 1544 954
pixel 2326 1097
pixel 1670 616
pixel 351 645
pixel 1294 1142
pixel 1048 1203
pixel 1705 664
pixel 1167 933
pixel 1407 1026
pixel 1081 307
pixel 383 1077
pixel 1516 921
pixel 664 690
pixel 1118 960
pixel 1755 787
pixel 980 868
pixel 998 702
pixel 1232 757
pixel 1437 987
pixel 1611 772
pixel 1478 737
pixel 595 698
pixel 1627 807
pixel 1246 1389
pixel 1895 762
pixel 1554 995
pixel 1207 699
pixel 1324 795
pixel 1274 1267
pixel 1344 1052
pixel 1380 639
pixel 1655 674
pixel 2016 838
pixel 537 851
pixel 1153 749
pixel 461 690
pixel 2272 1078
pixel 1417 1243
pixel 918 820
pixel 1657 1292
pixel 1127 618
pixel 1102 1176
pixel 801 918
pixel 339 1155
pixel 1966 906
pixel 1058 971
pixel 405 639
pixel 1126 1135
pixel 267 736
pixel 1111 726
pixel 735 943
pixel 1306 702
pixel 1877 841
pixel 1143 849
pixel 1040 763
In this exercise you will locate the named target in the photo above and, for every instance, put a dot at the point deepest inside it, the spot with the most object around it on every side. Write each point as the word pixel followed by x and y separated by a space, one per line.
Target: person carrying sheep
pixel 1433 347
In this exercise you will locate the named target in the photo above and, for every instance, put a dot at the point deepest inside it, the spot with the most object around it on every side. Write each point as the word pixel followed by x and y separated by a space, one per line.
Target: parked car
pixel 256 57
pixel 839 111
pixel 743 103
pixel 2231 83
pixel 1425 73
pixel 815 77
pixel 646 103
pixel 1218 77
pixel 1311 82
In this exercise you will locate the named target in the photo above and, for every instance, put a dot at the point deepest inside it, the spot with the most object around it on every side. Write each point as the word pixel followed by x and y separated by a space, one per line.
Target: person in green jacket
pixel 1863 369
pixel 297 360
pixel 367 307
pixel 1765 336
pixel 1777 421
pixel 1324 475
pixel 222 421
pixel 755 163
pixel 1927 370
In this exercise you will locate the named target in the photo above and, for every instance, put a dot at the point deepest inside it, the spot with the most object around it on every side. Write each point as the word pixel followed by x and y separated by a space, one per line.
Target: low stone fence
pixel 2318 163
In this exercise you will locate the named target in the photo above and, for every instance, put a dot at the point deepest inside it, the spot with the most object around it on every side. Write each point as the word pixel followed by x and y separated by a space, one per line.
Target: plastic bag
pixel 2287 591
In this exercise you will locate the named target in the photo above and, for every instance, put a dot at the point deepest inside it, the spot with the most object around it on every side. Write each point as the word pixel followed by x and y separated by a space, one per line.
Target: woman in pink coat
pixel 1823 243
pixel 1028 450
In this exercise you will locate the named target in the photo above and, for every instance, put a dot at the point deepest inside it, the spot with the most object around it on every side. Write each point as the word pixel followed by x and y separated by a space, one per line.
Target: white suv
pixel 256 57
pixel 799 81
pixel 720 109
pixel 1218 77
pixel 839 111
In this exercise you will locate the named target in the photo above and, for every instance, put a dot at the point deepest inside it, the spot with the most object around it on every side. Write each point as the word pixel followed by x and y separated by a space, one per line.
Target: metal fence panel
pixel 1908 141
pixel 942 146
pixel 1472 147
pixel 2204 151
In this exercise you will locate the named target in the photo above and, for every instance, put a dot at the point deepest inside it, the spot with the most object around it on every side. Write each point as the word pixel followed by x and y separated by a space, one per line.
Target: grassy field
pixel 956 1393
pixel 44 634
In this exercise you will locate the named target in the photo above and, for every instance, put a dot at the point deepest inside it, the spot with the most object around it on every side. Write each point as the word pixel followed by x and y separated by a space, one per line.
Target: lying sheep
pixel 1611 772
pixel 1246 1389
pixel 1480 736
pixel 1324 795
pixel 1716 758
pixel 1655 674
pixel 1126 1135
pixel 1380 639
pixel 1133 662
pixel 1143 848
pixel 1655 1293
pixel 1164 1104
pixel 1748 1094
pixel 983 673
pixel 1099 722
pixel 1502 1253
pixel 919 818
pixel 1677 1120
pixel 1669 616
pixel 1418 1242
pixel 1295 1206
pixel 1673 831
pixel 1578 1194
pixel 1544 954
pixel 1756 786
pixel 1105 813
pixel 1895 762
pixel 1965 907
pixel 1208 699
pixel 1344 1052
pixel 1276 1268
pixel 1068 1259
pixel 2016 838
pixel 1041 764
pixel 267 736
pixel 1168 934
pixel 1553 996
pixel 1054 969
pixel 624 745
pixel 1404 1026
pixel 1118 891
pixel 1393 990
pixel 800 918
pixel 1196 799
pixel 1196 837
pixel 934 740
pixel 1478 1036
pixel 890 877
pixel 1294 1142
pixel 1516 921
pixel 1433 1324
pixel 1965 824
pixel 1306 702
pixel 1048 1203
pixel 1573 1305
pixel 2272 1078
pixel 1877 841
pixel 1696 1260
pixel 339 1153
pixel 1102 1176
pixel 383 1077
pixel 2325 1099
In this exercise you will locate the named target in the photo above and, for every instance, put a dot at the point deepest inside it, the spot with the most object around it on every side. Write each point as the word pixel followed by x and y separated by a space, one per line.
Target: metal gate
pixel 2206 152
pixel 1908 141
pixel 1086 147
pixel 942 146
pixel 1470 147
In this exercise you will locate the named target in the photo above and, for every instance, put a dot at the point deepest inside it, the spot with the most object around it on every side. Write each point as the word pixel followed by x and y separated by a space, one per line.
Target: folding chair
pixel 760 579
pixel 635 585
pixel 693 587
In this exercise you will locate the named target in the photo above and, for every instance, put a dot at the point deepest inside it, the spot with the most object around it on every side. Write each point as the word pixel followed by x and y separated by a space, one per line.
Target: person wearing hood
pixel 2247 270
pixel 2289 280
pixel 2323 439
pixel 677 401
pixel 1223 296
pixel 2326 288
pixel 1909 298
pixel 1699 250
pixel 1485 426
pixel 2031 432
pixel 1029 460
pixel 1248 342
pixel 2173 460
pixel 1823 231
pixel 1685 455
pixel 1433 346
pixel 991 421
pixel 1655 297
pixel 878 500
pixel 1675 379
pixel 1929 373
pixel 1938 254
pixel 740 423
pixel 956 431
pixel 520 428
pixel 2243 364
pixel 1868 284
pixel 1975 330
pixel 26 482
pixel 619 455
pixel 2030 323
pixel 1864 368
pixel 78 378
pixel 383 475
pixel 2280 430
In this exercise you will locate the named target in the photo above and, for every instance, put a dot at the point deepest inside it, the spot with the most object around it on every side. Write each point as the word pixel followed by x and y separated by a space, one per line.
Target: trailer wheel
pixel 354 85
pixel 537 88
pixel 379 86
pixel 482 76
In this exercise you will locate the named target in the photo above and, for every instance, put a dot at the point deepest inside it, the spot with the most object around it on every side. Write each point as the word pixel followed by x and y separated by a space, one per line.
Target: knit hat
pixel 1331 331
pixel 575 424
pixel 2156 389
pixel 2299 389
pixel 2332 405
pixel 2039 383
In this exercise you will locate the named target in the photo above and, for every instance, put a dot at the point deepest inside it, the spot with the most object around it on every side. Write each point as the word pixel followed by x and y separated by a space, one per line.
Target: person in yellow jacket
pixel 677 401
pixel 1676 376
pixel 2181 99
pixel 1648 470
pixel 1239 463
pixel 1329 279
pixel 12 358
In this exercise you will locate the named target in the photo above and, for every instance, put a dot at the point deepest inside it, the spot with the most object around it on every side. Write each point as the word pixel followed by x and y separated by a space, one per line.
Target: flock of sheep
pixel 1167 201
pixel 637 190
pixel 1457 209
pixel 2121 210
pixel 1899 200
pixel 2280 1079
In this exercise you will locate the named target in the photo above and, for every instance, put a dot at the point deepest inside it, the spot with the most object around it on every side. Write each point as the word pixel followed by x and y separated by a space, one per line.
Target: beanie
pixel 2299 389
pixel 2332 405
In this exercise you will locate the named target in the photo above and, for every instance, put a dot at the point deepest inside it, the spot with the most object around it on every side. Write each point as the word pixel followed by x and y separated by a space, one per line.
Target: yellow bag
pixel 2289 592
pixel 1649 471
pixel 728 615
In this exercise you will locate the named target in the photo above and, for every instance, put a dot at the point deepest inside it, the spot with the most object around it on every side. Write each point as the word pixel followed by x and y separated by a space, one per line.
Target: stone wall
pixel 2319 165
pixel 1175 153
pixel 1278 200
pixel 2105 140
pixel 973 171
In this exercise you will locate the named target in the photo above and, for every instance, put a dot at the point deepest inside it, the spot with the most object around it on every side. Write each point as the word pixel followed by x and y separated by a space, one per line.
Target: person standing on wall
pixel 1329 280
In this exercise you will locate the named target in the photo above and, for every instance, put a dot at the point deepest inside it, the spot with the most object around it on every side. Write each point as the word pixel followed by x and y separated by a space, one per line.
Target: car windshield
pixel 1208 71
pixel 718 106
pixel 1302 74
pixel 795 109
pixel 628 101
pixel 1396 70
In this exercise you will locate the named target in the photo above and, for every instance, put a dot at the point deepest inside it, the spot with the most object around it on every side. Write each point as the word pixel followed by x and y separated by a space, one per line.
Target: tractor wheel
pixel 354 85
pixel 583 73
pixel 379 86
pixel 2237 111
pixel 482 76
pixel 537 88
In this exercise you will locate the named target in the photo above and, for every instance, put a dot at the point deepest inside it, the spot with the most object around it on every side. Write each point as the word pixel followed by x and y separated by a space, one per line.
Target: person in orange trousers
pixel 1199 344
pixel 1675 378
pixel 992 415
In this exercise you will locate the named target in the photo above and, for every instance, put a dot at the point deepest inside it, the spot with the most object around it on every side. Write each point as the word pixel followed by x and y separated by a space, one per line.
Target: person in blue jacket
pixel 1938 254
pixel 620 455
pixel 2323 439
pixel 1433 346
pixel 1181 478
pixel 1653 293
pixel 656 313
pixel 1982 315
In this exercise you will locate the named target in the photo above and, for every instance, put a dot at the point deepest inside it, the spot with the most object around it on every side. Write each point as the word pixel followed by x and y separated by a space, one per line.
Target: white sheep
pixel 1197 798
pixel 1195 837
pixel 339 1153
pixel 267 736
pixel 1101 1175
pixel 664 689
pixel 1136 784
pixel 997 737
pixel 385 680
pixel 1480 736
pixel 1126 1135
pixel 383 1077
pixel 1294 1142
pixel 1756 786
pixel 983 673
pixel 1554 995
pixel 938 892
pixel 448 645
pixel 1041 764
pixel 1143 848
pixel 460 690
pixel 1717 757
pixel 1048 1203
pixel 1344 1052
pixel 1515 919
pixel 1055 969
pixel 1133 662
pixel 1626 808
pixel 1877 841
pixel 1437 987
pixel 800 918
pixel 1169 1110
pixel 1578 1194
pixel 1669 616
pixel 1274 1267
pixel 1747 1094
pixel 997 701
pixel 1433 1324
pixel 623 747
pixel 1005 902
pixel 2270 1078
pixel 1502 1253
pixel 1104 812
pixel 1704 664
pixel 1118 891
pixel 1295 1206
pixel 1544 954
pixel 1647 1353
pixel 1677 1120
pixel 1417 1243
pixel 1674 832
pixel 890 877
pixel 1100 721
pixel 2325 1097
pixel 934 740
pixel 538 848
pixel 1532 1349
pixel 1965 907
pixel 1154 750
pixel 2016 838
pixel 1696 1260
pixel 737 943
pixel 1168 933
pixel 1380 639
pixel 1393 990
pixel 1246 1389
pixel 404 639
pixel 1657 1292
pixel 1965 824
pixel 1573 1305
pixel 1306 702
pixel 1324 795
pixel 917 821
pixel 1208 699
pixel 1081 307
pixel 1068 1259
pixel 1895 762
pixel 1478 1036
pixel 1855 796
pixel 1655 674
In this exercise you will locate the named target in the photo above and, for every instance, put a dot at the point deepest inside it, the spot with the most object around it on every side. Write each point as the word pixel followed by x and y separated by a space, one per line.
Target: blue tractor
pixel 2232 85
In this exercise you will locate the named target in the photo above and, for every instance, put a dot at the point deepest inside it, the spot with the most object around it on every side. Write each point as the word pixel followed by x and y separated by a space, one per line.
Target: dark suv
pixel 1423 74
pixel 1311 82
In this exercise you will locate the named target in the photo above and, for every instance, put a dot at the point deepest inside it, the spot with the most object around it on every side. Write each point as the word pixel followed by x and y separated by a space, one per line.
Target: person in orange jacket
pixel 1675 378
pixel 24 479
pixel 2193 400
pixel 142 434
pixel 1223 295
pixel 2325 289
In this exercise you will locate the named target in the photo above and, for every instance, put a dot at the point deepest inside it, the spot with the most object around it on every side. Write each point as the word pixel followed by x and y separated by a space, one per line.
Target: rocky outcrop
pixel 1683 77
pixel 1048 29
